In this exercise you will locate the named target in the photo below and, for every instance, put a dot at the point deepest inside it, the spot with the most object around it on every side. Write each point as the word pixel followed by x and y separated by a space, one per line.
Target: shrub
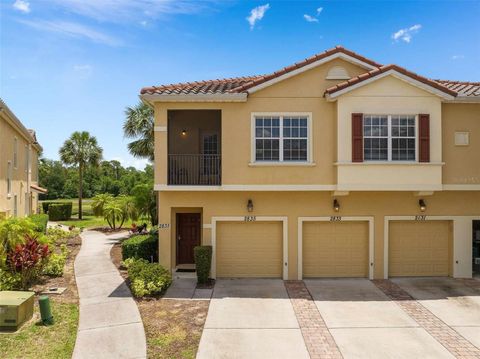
pixel 59 211
pixel 141 246
pixel 40 221
pixel 203 262
pixel 28 260
pixel 12 232
pixel 9 280
pixel 46 204
pixel 54 265
pixel 146 278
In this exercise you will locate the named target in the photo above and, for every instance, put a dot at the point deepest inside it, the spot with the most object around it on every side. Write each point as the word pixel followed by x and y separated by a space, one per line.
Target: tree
pixel 145 201
pixel 139 125
pixel 81 150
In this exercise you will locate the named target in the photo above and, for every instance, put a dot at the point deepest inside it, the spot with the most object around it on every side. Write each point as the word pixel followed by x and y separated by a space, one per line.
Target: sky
pixel 69 65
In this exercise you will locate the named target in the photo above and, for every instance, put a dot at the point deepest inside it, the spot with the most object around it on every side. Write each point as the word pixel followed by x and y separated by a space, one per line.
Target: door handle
pixel 179 237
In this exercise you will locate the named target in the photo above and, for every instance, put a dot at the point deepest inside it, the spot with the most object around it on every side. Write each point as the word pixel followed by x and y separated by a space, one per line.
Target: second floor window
pixel 389 138
pixel 281 138
pixel 15 152
pixel 9 177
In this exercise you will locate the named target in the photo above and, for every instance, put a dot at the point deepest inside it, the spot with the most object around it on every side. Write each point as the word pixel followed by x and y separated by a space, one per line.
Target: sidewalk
pixel 110 323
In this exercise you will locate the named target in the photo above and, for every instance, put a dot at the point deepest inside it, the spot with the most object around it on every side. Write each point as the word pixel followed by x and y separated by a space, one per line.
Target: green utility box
pixel 15 309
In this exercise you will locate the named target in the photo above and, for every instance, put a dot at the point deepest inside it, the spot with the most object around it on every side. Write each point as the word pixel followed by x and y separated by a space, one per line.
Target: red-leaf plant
pixel 28 259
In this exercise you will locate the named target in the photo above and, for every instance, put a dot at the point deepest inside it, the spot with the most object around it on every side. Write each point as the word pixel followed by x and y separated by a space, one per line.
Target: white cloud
pixel 73 29
pixel 84 71
pixel 319 10
pixel 310 18
pixel 256 14
pixel 22 5
pixel 458 57
pixel 128 10
pixel 144 23
pixel 406 34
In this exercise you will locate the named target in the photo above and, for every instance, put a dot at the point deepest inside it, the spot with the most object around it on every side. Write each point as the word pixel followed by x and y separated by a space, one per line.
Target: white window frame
pixel 389 139
pixel 281 115
pixel 15 152
pixel 27 159
pixel 9 178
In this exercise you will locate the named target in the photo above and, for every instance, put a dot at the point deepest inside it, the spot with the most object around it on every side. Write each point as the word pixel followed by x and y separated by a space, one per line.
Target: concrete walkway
pixel 110 323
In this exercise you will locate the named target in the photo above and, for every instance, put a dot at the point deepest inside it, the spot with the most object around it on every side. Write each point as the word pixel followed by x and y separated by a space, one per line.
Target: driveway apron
pixel 365 323
pixel 110 324
pixel 251 318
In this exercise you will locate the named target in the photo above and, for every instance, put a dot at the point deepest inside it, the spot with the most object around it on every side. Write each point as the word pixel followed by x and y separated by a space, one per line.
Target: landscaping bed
pixel 34 340
pixel 173 327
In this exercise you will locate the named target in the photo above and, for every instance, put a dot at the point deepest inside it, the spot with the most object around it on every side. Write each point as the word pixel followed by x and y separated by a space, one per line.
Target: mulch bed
pixel 173 327
pixel 67 280
pixel 108 230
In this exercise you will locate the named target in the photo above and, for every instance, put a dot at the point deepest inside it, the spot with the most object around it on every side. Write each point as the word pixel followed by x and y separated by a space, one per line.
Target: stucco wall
pixel 303 204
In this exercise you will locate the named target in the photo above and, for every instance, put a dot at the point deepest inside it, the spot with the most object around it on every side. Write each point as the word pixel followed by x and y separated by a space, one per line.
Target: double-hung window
pixel 9 177
pixel 389 138
pixel 281 138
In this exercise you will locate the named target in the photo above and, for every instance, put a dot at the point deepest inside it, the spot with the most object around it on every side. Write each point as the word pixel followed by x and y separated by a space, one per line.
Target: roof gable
pixel 390 70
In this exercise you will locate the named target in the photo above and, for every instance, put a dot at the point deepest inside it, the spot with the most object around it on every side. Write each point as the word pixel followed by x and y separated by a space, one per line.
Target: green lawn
pixel 34 340
pixel 93 222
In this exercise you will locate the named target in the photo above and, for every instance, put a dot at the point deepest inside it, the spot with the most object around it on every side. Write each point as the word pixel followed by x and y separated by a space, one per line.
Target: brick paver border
pixel 445 335
pixel 318 339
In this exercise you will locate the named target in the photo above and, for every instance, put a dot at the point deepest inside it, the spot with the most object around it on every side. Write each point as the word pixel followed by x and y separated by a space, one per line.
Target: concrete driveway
pixel 401 318
pixel 251 318
pixel 455 303
pixel 365 323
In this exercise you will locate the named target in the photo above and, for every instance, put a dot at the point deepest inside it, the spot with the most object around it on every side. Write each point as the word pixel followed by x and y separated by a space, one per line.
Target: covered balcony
pixel 194 147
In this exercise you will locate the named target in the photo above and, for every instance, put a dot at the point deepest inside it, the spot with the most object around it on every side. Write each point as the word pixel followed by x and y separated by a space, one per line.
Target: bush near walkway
pixel 147 279
pixel 143 246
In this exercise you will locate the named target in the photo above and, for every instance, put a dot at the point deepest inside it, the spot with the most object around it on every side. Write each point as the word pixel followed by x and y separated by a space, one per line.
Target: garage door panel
pixel 335 249
pixel 419 248
pixel 249 249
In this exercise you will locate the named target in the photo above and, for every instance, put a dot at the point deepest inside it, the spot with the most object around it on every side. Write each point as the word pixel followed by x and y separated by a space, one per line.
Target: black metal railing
pixel 195 170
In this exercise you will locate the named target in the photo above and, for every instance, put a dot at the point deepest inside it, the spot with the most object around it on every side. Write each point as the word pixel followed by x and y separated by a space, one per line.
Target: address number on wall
pixel 163 225
pixel 335 218
pixel 250 218
pixel 421 217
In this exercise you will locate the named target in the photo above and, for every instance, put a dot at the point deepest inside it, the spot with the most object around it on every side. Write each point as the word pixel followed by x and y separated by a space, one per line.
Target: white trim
pixel 282 219
pixel 326 187
pixel 223 97
pixel 461 187
pixel 160 128
pixel 282 164
pixel 337 55
pixel 390 163
pixel 239 187
pixel 281 115
pixel 207 226
pixel 465 99
pixel 399 76
pixel 386 238
pixel 371 239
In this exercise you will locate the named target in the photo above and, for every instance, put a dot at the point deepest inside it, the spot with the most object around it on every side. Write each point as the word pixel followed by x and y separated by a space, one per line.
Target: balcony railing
pixel 194 170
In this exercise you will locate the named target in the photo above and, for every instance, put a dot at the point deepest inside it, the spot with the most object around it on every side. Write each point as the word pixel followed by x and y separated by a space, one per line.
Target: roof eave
pixel 226 97
pixel 447 96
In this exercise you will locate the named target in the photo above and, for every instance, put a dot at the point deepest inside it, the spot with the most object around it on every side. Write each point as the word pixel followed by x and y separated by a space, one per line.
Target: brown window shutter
pixel 424 137
pixel 357 137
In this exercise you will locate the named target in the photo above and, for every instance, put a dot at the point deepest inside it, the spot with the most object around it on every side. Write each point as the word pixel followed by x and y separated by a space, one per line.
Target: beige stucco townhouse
pixel 19 151
pixel 336 166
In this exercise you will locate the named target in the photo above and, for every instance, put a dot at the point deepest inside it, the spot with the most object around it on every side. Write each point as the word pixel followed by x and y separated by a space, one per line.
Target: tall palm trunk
pixel 80 190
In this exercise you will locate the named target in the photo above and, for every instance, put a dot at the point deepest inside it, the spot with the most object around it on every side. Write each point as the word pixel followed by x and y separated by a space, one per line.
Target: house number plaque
pixel 163 225
pixel 250 218
pixel 335 218
pixel 421 217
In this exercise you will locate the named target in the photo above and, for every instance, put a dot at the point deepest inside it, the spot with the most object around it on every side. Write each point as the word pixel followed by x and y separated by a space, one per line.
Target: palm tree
pixel 139 124
pixel 81 150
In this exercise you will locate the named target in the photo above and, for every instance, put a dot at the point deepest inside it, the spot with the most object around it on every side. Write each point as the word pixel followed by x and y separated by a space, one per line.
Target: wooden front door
pixel 188 236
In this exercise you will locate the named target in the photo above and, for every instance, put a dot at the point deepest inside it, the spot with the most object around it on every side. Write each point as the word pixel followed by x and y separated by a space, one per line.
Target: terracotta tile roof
pixel 463 88
pixel 383 69
pixel 242 84
pixel 200 87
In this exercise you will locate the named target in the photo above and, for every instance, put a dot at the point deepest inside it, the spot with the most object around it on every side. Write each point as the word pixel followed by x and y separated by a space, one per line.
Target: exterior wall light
pixel 184 132
pixel 250 205
pixel 336 205
pixel 423 205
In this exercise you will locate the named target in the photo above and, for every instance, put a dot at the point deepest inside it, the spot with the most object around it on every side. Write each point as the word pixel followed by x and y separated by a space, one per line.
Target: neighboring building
pixel 19 151
pixel 336 166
